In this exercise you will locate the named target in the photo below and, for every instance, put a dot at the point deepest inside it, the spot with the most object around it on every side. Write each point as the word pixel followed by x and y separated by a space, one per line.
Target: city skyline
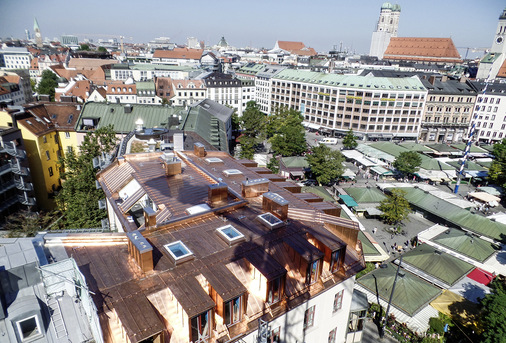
pixel 321 25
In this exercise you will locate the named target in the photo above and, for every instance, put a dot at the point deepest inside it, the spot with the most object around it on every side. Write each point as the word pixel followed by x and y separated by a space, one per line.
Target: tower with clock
pixel 492 62
pixel 38 36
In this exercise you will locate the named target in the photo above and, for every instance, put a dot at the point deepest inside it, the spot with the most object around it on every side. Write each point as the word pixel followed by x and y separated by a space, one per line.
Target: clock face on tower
pixel 499 40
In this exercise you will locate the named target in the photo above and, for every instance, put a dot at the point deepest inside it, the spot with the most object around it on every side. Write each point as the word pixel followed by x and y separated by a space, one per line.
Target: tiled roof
pixel 422 49
pixel 80 90
pixel 296 48
pixel 179 53
pixel 117 88
pixel 89 63
pixel 502 70
pixel 96 75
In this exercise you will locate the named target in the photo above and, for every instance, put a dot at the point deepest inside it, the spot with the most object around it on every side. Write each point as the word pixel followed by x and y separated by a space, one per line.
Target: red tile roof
pixel 179 53
pixel 79 90
pixel 422 49
pixel 296 48
pixel 502 70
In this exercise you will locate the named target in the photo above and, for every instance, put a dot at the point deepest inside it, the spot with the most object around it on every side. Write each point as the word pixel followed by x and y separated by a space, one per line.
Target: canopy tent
pixel 494 190
pixel 361 159
pixel 450 303
pixel 381 171
pixel 484 197
pixel 348 174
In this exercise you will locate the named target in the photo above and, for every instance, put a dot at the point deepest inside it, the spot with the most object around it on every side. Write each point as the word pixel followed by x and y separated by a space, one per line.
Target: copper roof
pixel 502 70
pixel 422 49
pixel 296 48
pixel 120 284
pixel 179 53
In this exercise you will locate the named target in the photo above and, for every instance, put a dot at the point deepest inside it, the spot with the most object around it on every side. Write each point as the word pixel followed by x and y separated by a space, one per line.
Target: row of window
pixel 486 99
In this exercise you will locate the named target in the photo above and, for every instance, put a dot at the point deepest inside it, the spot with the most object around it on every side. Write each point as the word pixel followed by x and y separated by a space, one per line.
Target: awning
pixel 313 126
pixel 381 171
pixel 348 200
pixel 297 173
pixel 481 276
pixel 371 211
pixel 485 197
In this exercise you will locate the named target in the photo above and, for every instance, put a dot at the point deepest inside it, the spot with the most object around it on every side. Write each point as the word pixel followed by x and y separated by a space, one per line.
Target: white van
pixel 328 141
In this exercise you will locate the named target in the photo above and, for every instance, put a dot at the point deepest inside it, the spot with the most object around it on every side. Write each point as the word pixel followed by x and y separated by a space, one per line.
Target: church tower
pixel 38 36
pixel 492 62
pixel 386 28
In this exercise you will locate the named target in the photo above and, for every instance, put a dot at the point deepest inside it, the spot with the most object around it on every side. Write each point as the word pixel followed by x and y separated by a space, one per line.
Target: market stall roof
pixel 443 148
pixel 372 211
pixel 375 153
pixel 481 276
pixel 365 194
pixel 485 197
pixel 437 264
pixel 367 246
pixel 470 289
pixel 411 292
pixel 415 147
pixel 361 158
pixel 470 165
pixel 348 173
pixel 348 201
pixel 319 191
pixel 474 148
pixel 494 190
pixel 484 162
pixel 382 171
pixel 466 244
pixel 451 303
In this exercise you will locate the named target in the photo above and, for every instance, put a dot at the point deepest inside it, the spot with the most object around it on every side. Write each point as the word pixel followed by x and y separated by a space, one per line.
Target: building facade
pixel 373 107
pixel 492 62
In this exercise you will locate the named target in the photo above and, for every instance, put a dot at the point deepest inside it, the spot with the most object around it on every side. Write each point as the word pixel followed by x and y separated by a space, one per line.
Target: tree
pixel 247 147
pixel 48 83
pixel 289 136
pixel 326 164
pixel 273 165
pixel 252 121
pixel 408 162
pixel 497 171
pixel 84 47
pixel 102 49
pixel 395 207
pixel 350 140
pixel 493 313
pixel 27 224
pixel 79 197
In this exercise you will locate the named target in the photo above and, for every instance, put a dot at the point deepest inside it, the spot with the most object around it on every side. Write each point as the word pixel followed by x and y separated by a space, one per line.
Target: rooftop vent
pixel 149 218
pixel 211 160
pixel 172 166
pixel 230 234
pixel 217 194
pixel 275 204
pixel 255 187
pixel 199 149
pixel 270 221
pixel 128 108
pixel 179 252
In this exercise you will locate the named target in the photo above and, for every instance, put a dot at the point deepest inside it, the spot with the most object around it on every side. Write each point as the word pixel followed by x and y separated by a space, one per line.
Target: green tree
pixel 27 224
pixel 497 171
pixel 84 47
pixel 252 121
pixel 350 140
pixel 247 147
pixel 48 83
pixel 395 207
pixel 408 162
pixel 289 136
pixel 326 164
pixel 273 165
pixel 165 101
pixel 78 199
pixel 494 314
pixel 101 49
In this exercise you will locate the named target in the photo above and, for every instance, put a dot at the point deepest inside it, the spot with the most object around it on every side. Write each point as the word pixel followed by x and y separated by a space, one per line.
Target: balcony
pixel 23 186
pixel 17 169
pixel 12 150
pixel 26 200
pixel 6 168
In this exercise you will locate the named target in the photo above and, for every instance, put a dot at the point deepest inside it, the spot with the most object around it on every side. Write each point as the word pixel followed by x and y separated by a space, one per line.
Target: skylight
pixel 210 160
pixel 271 221
pixel 231 172
pixel 230 234
pixel 198 209
pixel 178 251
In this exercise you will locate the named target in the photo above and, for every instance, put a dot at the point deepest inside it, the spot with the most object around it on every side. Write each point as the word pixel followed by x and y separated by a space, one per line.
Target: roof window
pixel 179 252
pixel 198 209
pixel 230 234
pixel 231 172
pixel 210 160
pixel 271 221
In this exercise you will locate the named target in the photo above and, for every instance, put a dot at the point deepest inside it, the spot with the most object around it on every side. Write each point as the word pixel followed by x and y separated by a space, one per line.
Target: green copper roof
pixel 474 148
pixel 352 81
pixel 365 195
pixel 411 293
pixel 395 150
pixel 415 147
pixel 437 264
pixel 207 126
pixel 295 162
pixel 367 246
pixel 456 215
pixel 473 247
pixel 145 86
pixel 35 25
pixel 491 57
pixel 470 165
pixel 251 69
pixel 319 191
pixel 153 116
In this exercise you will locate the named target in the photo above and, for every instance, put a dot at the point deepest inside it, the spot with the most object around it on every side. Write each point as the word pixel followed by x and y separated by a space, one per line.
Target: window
pixel 309 317
pixel 335 263
pixel 274 335
pixel 200 327
pixel 332 336
pixel 50 170
pixel 312 274
pixel 274 290
pixel 44 139
pixel 67 135
pixel 47 155
pixel 232 310
pixel 338 301
pixel 28 328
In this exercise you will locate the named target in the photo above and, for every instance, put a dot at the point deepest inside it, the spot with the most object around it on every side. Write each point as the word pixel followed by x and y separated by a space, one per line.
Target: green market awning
pixel 348 201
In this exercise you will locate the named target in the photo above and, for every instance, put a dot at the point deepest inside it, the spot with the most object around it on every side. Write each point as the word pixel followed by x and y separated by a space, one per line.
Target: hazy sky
pixel 259 23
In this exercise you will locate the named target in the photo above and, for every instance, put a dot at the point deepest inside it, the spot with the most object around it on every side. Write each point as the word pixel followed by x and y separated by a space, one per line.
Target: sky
pixel 320 24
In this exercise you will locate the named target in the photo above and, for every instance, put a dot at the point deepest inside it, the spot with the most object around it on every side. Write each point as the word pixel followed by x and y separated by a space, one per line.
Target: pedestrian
pixel 374 230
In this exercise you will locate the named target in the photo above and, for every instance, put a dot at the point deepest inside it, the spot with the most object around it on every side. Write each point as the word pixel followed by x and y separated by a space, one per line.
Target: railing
pixel 24 186
pixel 11 149
pixel 5 167
pixel 16 169
pixel 26 200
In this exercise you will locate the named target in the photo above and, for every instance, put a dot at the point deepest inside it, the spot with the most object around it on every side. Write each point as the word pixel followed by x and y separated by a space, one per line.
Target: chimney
pixel 140 250
pixel 218 194
pixel 463 79
pixel 128 108
pixel 444 78
pixel 432 79
pixel 172 167
pixel 199 149
pixel 255 187
pixel 275 204
pixel 149 218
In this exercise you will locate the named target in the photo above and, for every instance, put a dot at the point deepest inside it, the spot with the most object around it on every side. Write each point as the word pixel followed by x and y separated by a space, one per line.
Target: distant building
pixel 11 91
pixel 496 58
pixel 178 57
pixel 422 50
pixel 15 58
pixel 69 40
pixel 294 48
pixel 38 35
pixel 193 43
pixel 386 28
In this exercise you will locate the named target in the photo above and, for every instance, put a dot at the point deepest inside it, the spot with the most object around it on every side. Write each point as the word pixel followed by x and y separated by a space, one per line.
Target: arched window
pixel 113 89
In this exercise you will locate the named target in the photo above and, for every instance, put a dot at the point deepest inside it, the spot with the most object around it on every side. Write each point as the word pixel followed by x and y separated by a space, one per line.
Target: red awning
pixel 481 276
